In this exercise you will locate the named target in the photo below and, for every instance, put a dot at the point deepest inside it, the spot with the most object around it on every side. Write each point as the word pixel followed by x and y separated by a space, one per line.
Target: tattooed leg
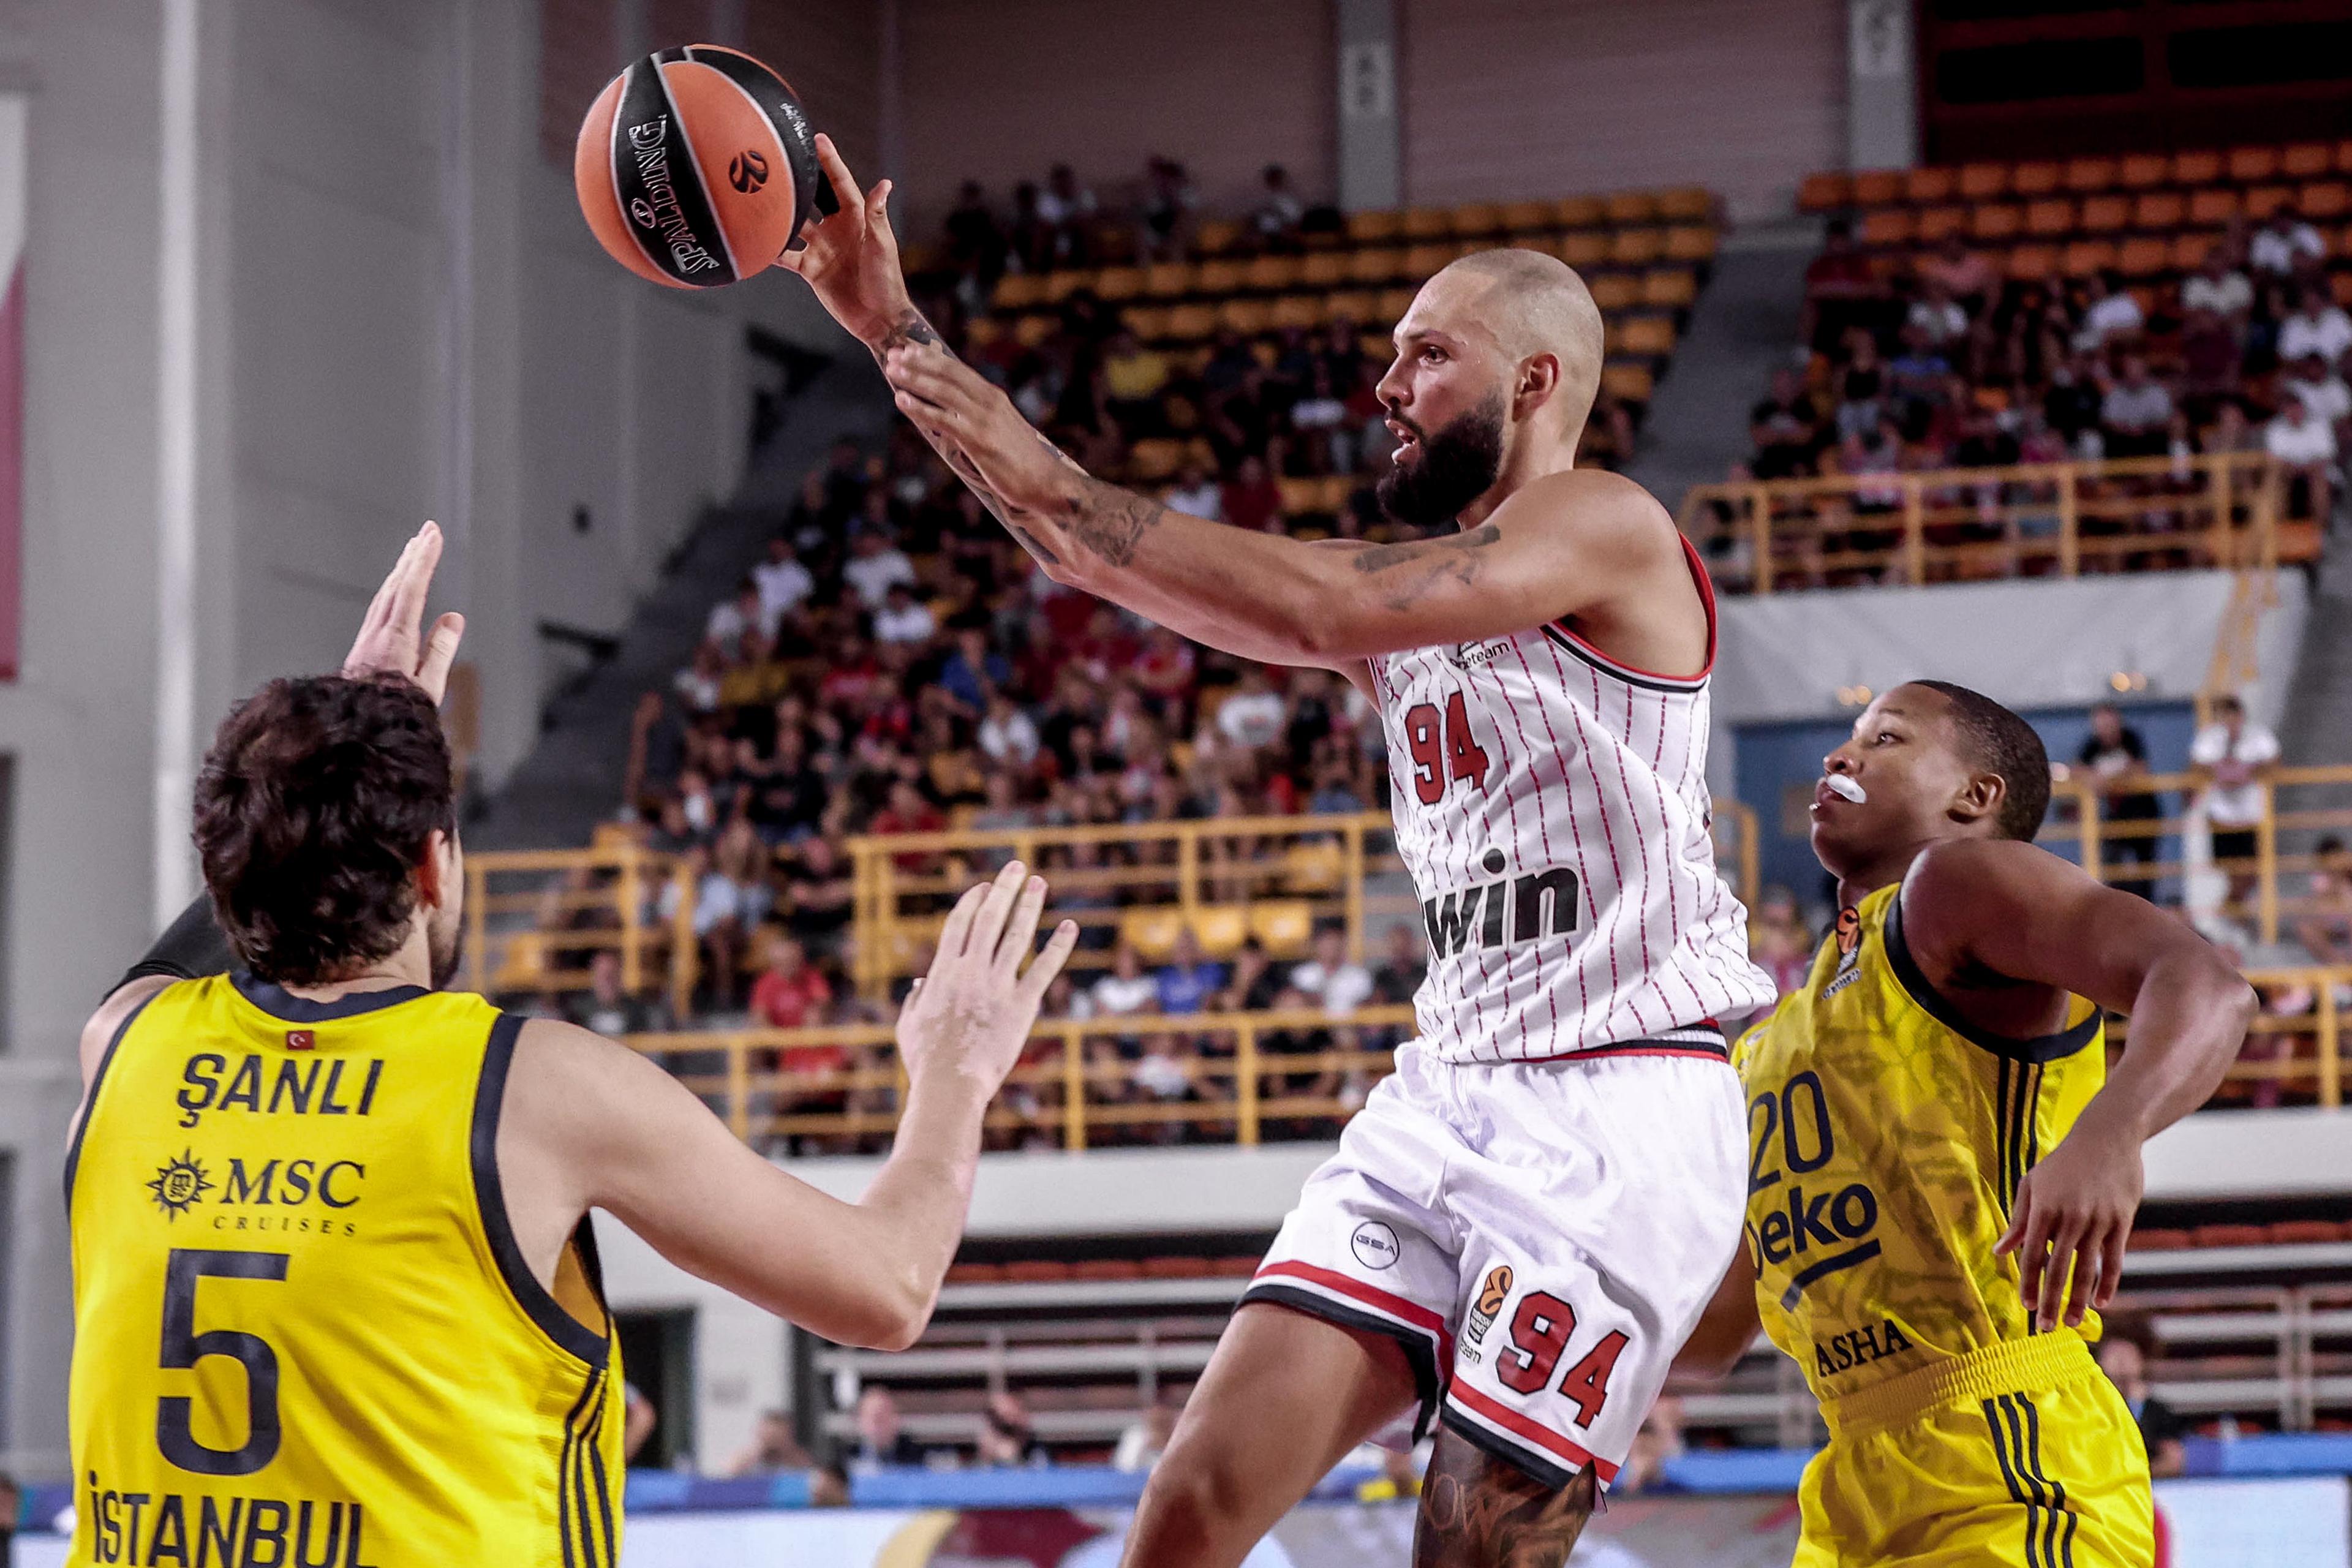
pixel 1479 1511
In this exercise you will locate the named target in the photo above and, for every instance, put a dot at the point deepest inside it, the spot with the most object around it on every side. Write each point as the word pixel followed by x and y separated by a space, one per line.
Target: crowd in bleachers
pixel 1951 323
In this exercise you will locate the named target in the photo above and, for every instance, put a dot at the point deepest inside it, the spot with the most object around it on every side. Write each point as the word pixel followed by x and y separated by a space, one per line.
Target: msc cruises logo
pixel 180 1185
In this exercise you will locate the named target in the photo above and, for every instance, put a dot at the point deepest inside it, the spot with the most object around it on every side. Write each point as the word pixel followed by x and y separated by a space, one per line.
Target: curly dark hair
pixel 312 817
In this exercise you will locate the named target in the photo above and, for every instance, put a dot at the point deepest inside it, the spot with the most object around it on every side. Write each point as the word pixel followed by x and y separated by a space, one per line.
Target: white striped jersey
pixel 1552 808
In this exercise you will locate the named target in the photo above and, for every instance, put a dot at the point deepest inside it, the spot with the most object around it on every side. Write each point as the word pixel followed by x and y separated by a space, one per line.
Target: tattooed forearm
pixel 1478 1511
pixel 1374 558
pixel 1109 521
pixel 1408 571
pixel 909 328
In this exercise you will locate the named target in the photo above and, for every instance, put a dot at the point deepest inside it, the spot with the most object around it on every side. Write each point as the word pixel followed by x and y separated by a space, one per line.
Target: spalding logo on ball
pixel 696 167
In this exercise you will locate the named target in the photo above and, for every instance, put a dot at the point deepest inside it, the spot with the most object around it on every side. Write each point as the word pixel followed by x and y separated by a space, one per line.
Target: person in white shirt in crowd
pixel 1279 213
pixel 2136 413
pixel 875 562
pixel 1937 314
pixel 2305 445
pixel 1332 977
pixel 732 618
pixel 782 582
pixel 2230 758
pixel 2285 244
pixel 1253 715
pixel 1128 988
pixel 903 619
pixel 2112 315
pixel 2321 389
pixel 1195 493
pixel 1007 735
pixel 2319 326
pixel 2220 287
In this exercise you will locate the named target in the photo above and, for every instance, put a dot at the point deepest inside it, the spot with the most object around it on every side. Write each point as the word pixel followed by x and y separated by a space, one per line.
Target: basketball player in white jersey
pixel 1525 1221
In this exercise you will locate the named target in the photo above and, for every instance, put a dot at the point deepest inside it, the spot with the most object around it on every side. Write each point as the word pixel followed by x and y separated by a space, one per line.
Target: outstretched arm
pixel 1978 912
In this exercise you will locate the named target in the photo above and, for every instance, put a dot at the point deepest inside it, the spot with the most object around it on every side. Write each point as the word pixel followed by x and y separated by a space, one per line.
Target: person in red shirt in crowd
pixel 1251 498
pixel 909 812
pixel 791 994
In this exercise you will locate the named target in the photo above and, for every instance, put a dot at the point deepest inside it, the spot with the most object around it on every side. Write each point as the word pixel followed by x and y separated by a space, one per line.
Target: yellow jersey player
pixel 1942 1167
pixel 335 1292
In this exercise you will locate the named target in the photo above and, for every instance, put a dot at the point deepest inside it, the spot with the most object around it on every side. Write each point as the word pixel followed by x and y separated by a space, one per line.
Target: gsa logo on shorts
pixel 1376 1245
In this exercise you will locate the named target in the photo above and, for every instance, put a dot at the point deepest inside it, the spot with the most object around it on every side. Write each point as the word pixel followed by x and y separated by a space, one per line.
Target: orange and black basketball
pixel 695 166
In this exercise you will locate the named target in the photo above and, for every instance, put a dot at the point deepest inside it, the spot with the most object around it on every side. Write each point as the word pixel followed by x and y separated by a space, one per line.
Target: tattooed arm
pixel 1479 1511
pixel 1565 544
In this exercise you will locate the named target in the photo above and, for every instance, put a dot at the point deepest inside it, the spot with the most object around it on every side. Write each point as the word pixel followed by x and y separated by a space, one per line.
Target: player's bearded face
pixel 444 923
pixel 1443 470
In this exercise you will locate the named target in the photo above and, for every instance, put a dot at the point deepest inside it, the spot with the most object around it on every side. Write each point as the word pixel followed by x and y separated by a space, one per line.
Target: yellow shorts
pixel 2022 1455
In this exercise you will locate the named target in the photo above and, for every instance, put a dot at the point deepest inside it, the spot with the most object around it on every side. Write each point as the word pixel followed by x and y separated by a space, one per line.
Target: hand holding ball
pixel 696 167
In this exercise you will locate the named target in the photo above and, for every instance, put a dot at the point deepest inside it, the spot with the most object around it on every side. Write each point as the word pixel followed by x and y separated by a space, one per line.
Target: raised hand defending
pixel 972 1014
pixel 391 638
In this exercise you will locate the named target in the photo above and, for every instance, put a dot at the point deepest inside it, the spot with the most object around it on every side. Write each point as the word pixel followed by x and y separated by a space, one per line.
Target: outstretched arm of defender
pixel 590 1123
pixel 2006 910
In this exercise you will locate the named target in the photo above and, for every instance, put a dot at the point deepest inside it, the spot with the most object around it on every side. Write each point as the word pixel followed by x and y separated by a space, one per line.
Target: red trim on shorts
pixel 1713 1056
pixel 1705 586
pixel 1412 1313
pixel 1535 1431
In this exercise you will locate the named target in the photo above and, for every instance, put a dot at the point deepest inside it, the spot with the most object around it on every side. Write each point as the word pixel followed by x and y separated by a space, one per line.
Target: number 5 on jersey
pixel 1444 751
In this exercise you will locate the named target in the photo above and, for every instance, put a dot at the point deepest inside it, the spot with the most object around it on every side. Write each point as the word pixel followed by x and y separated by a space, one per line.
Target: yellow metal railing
pixel 1218 876
pixel 2321 1027
pixel 2097 838
pixel 1233 1084
pixel 2220 509
pixel 535 919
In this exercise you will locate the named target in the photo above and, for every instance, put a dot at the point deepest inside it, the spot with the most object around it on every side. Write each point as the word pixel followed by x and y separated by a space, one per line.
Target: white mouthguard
pixel 1839 785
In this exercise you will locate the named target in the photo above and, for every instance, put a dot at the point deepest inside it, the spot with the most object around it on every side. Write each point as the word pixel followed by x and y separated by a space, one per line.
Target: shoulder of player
pixel 98 1032
pixel 1600 509
pixel 1961 895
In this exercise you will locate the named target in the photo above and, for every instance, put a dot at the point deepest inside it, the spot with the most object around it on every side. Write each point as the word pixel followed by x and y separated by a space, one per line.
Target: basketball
pixel 695 167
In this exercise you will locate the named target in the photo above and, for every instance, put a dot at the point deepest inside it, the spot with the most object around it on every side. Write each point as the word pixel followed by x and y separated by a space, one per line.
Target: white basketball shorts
pixel 1539 1236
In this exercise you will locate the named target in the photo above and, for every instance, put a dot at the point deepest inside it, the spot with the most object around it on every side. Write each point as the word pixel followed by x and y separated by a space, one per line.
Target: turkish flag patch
pixel 300 1040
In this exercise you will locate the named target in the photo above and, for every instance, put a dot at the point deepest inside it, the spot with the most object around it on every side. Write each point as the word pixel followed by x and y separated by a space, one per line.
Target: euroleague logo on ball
pixel 747 172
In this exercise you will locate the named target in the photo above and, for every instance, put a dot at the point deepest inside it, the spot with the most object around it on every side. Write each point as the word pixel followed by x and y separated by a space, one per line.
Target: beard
pixel 442 944
pixel 1458 463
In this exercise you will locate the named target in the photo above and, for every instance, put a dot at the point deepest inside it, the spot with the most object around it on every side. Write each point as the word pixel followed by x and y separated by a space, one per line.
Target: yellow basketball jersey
pixel 304 1335
pixel 1886 1138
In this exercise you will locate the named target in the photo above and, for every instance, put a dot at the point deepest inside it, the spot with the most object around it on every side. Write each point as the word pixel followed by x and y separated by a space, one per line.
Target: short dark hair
pixel 2000 743
pixel 311 816
pixel 2131 1329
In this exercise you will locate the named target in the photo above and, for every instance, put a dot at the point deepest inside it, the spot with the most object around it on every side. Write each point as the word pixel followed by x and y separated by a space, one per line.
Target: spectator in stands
pixel 975 243
pixel 2212 361
pixel 1656 1445
pixel 1329 977
pixel 782 582
pixel 1166 217
pixel 1251 499
pixel 1066 207
pixel 1007 735
pixel 608 1009
pixel 828 1485
pixel 903 619
pixel 1916 377
pixel 2230 759
pixel 2220 287
pixel 2125 1347
pixel 1778 940
pixel 1195 493
pixel 2111 314
pixel 1862 387
pixel 2306 448
pixel 772 1447
pixel 1135 379
pixel 2284 245
pixel 1938 315
pixel 2071 405
pixel 1008 1438
pixel 1279 212
pixel 790 994
pixel 1962 275
pixel 2324 926
pixel 882 1440
pixel 1127 989
pixel 2135 415
pixel 1841 291
pixel 2319 326
pixel 2114 758
pixel 876 563
pixel 2320 389
pixel 1253 716
pixel 1404 960
pixel 819 895
pixel 1187 982
pixel 1786 428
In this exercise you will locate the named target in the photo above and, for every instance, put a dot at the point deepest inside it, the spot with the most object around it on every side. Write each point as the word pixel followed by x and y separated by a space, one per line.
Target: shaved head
pixel 1534 303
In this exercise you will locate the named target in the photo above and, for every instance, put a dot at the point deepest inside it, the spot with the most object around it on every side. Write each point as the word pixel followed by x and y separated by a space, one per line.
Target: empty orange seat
pixel 1423 261
pixel 1929 183
pixel 1630 207
pixel 2105 214
pixel 1377 266
pixel 1584 247
pixel 1223 277
pixel 1303 312
pixel 2343 156
pixel 1614 291
pixel 1637 246
pixel 1877 187
pixel 1691 242
pixel 1998 221
pixel 2196 168
pixel 1372 227
pixel 1474 220
pixel 2144 256
pixel 1524 217
pixel 1939 224
pixel 1632 383
pixel 1645 337
pixel 1272 274
pixel 2085 257
pixel 1579 212
pixel 1824 193
pixel 2049 218
pixel 1686 204
pixel 2142 169
pixel 1216 236
pixel 2159 209
pixel 2212 208
pixel 2037 179
pixel 1981 182
pixel 1357 305
pixel 1247 317
pixel 1019 290
pixel 2306 159
pixel 2189 250
pixel 2265 200
pixel 2089 174
pixel 1393 303
pixel 1670 288
pixel 1888 226
pixel 1148 322
pixel 2247 165
pixel 1323 270
pixel 2031 263
pixel 2324 199
pixel 1426 223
